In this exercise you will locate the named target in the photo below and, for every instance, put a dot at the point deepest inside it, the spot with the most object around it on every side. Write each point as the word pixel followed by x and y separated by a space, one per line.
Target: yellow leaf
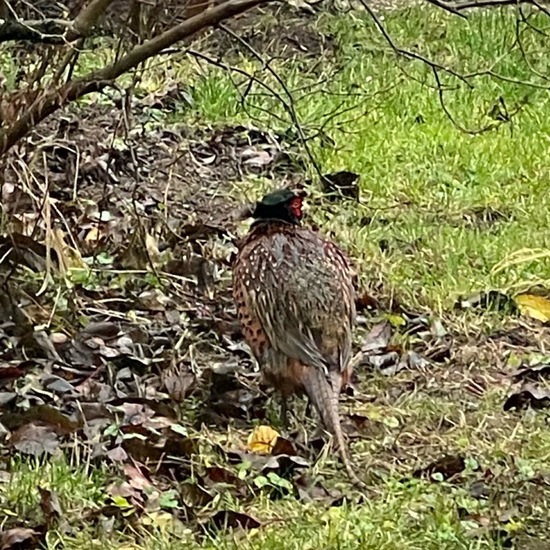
pixel 262 439
pixel 93 234
pixel 396 320
pixel 536 307
pixel 152 248
pixel 158 518
pixel 121 502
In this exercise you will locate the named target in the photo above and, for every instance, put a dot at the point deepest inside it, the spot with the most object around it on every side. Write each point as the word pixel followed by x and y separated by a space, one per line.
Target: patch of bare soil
pixel 273 32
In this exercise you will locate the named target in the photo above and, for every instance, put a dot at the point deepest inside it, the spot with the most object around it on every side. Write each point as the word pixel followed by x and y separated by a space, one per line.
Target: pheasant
pixel 294 296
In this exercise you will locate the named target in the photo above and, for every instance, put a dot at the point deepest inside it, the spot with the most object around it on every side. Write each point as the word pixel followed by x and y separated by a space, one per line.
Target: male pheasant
pixel 295 301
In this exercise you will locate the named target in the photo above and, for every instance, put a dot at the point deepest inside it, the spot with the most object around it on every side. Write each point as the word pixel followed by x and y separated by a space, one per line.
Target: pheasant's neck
pixel 261 228
pixel 271 224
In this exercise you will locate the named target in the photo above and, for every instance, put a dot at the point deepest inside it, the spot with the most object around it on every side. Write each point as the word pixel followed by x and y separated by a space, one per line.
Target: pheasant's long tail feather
pixel 324 397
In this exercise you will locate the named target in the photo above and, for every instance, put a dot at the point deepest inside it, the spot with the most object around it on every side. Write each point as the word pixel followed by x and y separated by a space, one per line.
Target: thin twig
pixel 406 53
pixel 290 103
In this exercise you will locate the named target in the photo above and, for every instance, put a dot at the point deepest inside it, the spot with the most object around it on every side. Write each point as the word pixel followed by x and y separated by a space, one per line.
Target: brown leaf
pixel 528 394
pixel 216 474
pixel 35 439
pixel 18 537
pixel 177 445
pixel 9 372
pixel 42 414
pixel 378 338
pixel 447 466
pixel 179 386
pixel 23 250
pixel 137 478
pixel 136 414
pixel 229 519
pixel 141 450
pixel 103 329
pixel 283 447
pixel 195 496
pixel 284 465
pixel 317 492
pixel 532 373
pixel 49 503
pixel 125 490
pixel 117 454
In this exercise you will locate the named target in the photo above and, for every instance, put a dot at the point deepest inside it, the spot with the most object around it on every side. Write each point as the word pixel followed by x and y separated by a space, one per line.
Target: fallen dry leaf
pixel 284 465
pixel 532 373
pixel 283 447
pixel 229 519
pixel 34 439
pixel 528 394
pixel 262 439
pixel 179 385
pixel 378 338
pixel 217 474
pixel 447 467
pixel 18 537
pixel 536 307
pixel 137 478
pixel 49 503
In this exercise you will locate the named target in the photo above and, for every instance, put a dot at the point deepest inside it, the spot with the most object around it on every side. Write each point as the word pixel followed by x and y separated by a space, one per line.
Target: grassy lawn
pixel 441 213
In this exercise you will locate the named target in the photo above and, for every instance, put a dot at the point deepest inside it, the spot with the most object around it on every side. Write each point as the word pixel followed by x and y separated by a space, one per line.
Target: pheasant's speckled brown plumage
pixel 295 301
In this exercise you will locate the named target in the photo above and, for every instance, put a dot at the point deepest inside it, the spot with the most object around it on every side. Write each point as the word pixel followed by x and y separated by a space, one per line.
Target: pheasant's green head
pixel 282 205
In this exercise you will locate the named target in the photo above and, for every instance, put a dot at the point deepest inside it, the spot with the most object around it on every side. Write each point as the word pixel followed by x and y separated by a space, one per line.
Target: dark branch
pixel 447 7
pixel 487 4
pixel 406 53
pixel 86 19
pixel 47 31
pixel 54 31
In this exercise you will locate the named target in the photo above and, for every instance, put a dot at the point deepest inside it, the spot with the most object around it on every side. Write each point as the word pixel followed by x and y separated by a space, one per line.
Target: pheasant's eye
pixel 296 207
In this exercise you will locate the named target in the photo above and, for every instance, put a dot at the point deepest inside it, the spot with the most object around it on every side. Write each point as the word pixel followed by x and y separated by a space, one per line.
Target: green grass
pixel 422 182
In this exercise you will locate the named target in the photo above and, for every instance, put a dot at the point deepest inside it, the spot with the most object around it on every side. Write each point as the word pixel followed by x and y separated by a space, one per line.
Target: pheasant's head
pixel 281 205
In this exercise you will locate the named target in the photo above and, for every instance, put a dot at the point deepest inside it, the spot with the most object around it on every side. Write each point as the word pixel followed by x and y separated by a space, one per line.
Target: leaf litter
pixel 128 347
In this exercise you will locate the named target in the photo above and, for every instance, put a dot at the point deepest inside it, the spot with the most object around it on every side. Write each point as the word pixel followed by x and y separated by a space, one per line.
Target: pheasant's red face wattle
pixel 296 207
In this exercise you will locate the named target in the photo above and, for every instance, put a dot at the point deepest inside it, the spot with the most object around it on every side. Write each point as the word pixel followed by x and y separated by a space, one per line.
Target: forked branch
pixel 49 101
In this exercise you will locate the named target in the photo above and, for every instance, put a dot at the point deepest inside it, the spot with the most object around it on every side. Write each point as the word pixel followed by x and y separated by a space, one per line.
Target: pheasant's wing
pixel 304 301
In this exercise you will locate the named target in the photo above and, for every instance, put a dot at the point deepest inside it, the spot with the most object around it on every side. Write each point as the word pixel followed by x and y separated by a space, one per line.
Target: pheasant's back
pixel 298 288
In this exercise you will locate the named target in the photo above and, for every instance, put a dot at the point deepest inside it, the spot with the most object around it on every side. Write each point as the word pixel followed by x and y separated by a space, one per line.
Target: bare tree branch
pixel 290 103
pixel 54 31
pixel 487 4
pixel 47 102
pixel 456 8
pixel 447 7
pixel 47 31
pixel 87 18
pixel 406 53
